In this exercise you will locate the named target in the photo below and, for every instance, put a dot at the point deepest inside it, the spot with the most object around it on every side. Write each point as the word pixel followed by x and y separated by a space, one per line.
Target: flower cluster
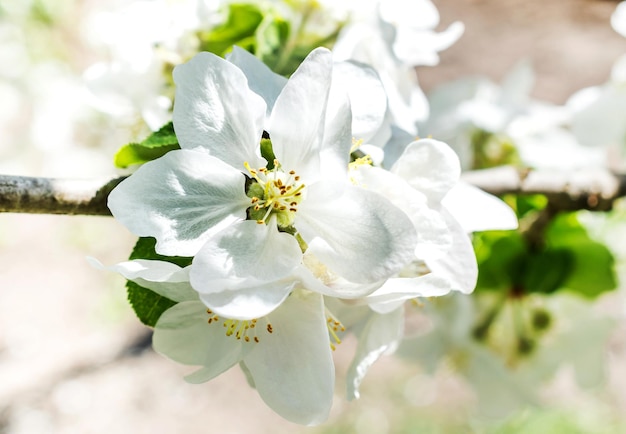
pixel 289 224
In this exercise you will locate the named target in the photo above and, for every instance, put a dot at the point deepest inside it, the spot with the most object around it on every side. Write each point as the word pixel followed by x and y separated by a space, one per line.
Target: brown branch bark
pixel 23 194
pixel 593 189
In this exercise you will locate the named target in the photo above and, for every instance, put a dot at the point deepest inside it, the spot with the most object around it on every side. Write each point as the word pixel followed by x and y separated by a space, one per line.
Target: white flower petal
pixel 247 249
pixel 243 271
pixel 337 141
pixel 297 121
pixel 433 235
pixel 249 298
pixel 429 166
pixel 180 199
pixel 316 277
pixel 214 109
pixel 422 14
pixel 261 79
pixel 357 234
pixel 397 290
pixel 293 368
pixel 183 334
pixel 166 279
pixel 380 335
pixel 459 266
pixel 420 47
pixel 476 210
pixel 367 97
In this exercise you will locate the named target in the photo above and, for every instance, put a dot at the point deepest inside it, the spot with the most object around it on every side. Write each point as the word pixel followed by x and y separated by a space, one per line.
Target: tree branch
pixel 55 196
pixel 592 189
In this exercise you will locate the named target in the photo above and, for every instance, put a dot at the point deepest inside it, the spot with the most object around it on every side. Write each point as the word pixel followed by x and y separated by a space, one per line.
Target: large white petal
pixel 380 335
pixel 183 334
pixel 316 277
pixel 297 121
pixel 180 199
pixel 367 97
pixel 337 141
pixel 357 234
pixel 243 271
pixel 430 166
pixel 166 279
pixel 261 79
pixel 476 210
pixel 214 109
pixel 293 368
pixel 459 266
pixel 247 249
pixel 249 298
pixel 397 290
pixel 433 235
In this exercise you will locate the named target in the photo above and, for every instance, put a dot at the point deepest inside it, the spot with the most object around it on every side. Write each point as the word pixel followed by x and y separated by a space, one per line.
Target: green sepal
pixel 154 146
pixel 148 305
pixel 267 152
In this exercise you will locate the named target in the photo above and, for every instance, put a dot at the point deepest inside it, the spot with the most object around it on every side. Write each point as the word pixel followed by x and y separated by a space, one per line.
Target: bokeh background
pixel 73 358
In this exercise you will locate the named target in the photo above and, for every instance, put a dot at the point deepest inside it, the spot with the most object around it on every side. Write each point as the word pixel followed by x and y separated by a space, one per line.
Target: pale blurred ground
pixel 67 363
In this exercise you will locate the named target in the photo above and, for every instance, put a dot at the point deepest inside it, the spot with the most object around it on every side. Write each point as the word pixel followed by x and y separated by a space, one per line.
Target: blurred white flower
pixel 149 35
pixel 393 37
pixel 483 120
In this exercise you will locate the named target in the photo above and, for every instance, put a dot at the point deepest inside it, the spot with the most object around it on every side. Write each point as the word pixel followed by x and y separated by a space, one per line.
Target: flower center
pixel 245 330
pixel 275 193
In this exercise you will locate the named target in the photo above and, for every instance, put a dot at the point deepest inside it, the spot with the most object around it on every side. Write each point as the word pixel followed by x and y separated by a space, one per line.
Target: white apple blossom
pixel 287 353
pixel 244 221
pixel 423 182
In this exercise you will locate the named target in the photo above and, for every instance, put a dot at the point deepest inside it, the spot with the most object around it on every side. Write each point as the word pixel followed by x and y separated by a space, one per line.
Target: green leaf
pixel 501 256
pixel 547 270
pixel 239 29
pixel 593 271
pixel 165 136
pixel 145 249
pixel 271 37
pixel 154 146
pixel 593 265
pixel 134 153
pixel 148 305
